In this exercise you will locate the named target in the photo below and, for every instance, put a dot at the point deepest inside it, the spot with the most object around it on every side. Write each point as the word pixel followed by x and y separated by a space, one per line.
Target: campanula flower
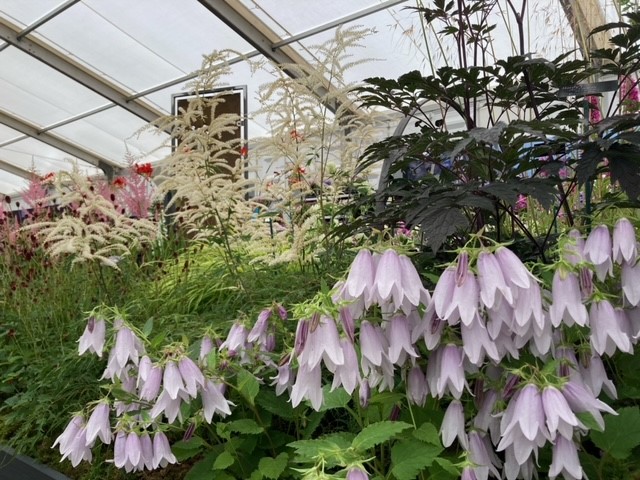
pixel 308 385
pixel 631 283
pixel 453 425
pixel 624 242
pixel 162 455
pixel 493 286
pixel 565 460
pixel 213 401
pixel 416 386
pixel 357 473
pixel 597 250
pixel 608 330
pixel 98 424
pixel 346 375
pixel 93 337
pixel 323 342
pixel 399 337
pixel 567 303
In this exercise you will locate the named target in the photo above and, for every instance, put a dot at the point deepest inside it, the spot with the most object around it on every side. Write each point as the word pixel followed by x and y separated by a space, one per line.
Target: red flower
pixel 120 182
pixel 298 137
pixel 144 169
pixel 48 179
pixel 244 151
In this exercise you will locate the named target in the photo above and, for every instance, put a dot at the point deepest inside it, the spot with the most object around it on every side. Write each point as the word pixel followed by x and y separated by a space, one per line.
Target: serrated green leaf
pixel 277 405
pixel 336 399
pixel 329 445
pixel 184 450
pixel 621 433
pixel 202 469
pixel 273 467
pixel 377 433
pixel 448 467
pixel 245 425
pixel 589 421
pixel 223 461
pixel 410 457
pixel 248 386
pixel 427 433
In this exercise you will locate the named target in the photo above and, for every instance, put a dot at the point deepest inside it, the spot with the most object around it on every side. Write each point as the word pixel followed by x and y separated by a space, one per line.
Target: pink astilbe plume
pixel 137 195
pixel 35 196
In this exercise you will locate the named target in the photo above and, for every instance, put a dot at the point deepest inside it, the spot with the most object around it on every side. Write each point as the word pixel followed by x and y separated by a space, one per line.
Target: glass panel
pixel 113 133
pixel 38 93
pixel 27 12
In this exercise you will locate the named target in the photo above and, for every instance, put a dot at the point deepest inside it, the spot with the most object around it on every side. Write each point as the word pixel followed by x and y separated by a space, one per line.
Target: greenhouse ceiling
pixel 79 79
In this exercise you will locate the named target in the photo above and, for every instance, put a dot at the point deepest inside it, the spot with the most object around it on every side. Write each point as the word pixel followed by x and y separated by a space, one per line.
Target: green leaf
pixel 621 433
pixel 409 458
pixel 273 467
pixel 378 433
pixel 339 398
pixel 202 469
pixel 148 327
pixel 245 425
pixel 589 421
pixel 448 467
pixel 277 405
pixel 223 461
pixel 428 433
pixel 187 449
pixel 248 386
pixel 329 445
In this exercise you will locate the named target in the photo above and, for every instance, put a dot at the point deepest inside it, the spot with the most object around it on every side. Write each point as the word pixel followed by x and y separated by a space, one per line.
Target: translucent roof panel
pixel 10 184
pixel 33 155
pixel 111 134
pixel 8 134
pixel 38 93
pixel 26 12
pixel 139 44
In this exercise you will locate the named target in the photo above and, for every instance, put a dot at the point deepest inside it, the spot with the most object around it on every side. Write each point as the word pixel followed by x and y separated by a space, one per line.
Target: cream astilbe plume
pixel 206 173
pixel 90 227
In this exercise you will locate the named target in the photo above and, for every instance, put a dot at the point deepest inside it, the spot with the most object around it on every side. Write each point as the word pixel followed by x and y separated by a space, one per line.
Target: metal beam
pixel 46 17
pixel 246 24
pixel 21 126
pixel 63 64
pixel 15 170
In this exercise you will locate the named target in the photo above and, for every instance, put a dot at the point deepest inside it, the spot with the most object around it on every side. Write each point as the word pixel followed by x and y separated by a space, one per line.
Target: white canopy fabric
pixel 80 78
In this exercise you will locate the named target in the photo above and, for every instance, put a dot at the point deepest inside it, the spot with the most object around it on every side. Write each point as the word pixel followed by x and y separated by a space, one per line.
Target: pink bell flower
pixel 162 455
pixel 416 386
pixel 476 342
pixel 558 414
pixel 93 337
pixel 146 450
pixel 581 399
pixel 630 280
pixel 308 385
pixel 361 278
pixel 213 401
pixel 493 285
pixel 98 424
pixel 598 250
pixel 567 303
pixel 607 330
pixel 191 375
pixel 323 343
pixel 625 248
pixel 399 337
pixel 346 375
pixel 565 460
pixel 453 425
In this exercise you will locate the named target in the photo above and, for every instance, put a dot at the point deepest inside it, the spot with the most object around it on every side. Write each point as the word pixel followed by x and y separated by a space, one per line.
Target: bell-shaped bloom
pixel 558 414
pixel 172 380
pixel 482 455
pixel 373 344
pixel 464 303
pixel 573 248
pixel 169 406
pixel 98 424
pixel 449 372
pixel 416 386
pixel 213 401
pixel 258 333
pixel 191 375
pixel 476 342
pixel 493 285
pixel 127 347
pixel 120 450
pixel 581 399
pixel 93 337
pixel 625 248
pixel 399 336
pixel 162 454
pixel 607 330
pixel 357 473
pixel 567 303
pixel 468 473
pixel 397 283
pixel 206 346
pixel 631 283
pixel 308 385
pixel 133 448
pixel 516 469
pixel 595 377
pixel 346 375
pixel 146 448
pixel 565 460
pixel 323 342
pixel 443 293
pixel 597 250
pixel 236 341
pixel 364 393
pixel 283 379
pixel 514 271
pixel 66 438
pixel 453 425
pixel 151 384
pixel 360 280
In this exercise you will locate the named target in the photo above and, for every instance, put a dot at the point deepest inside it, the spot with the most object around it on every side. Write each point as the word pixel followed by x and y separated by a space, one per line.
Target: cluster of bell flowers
pixel 387 331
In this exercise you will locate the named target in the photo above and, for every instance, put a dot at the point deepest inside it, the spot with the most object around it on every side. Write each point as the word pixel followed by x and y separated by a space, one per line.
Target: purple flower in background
pixel 172 380
pixel 283 379
pixel 573 249
pixel 93 337
pixel 482 455
pixel 120 450
pixel 146 447
pixel 151 384
pixel 565 460
pixel 631 283
pixel 162 455
pixel 595 377
pixel 282 312
pixel 624 242
pixel 521 203
pixel 581 399
pixel 236 341
pixel 416 386
pixel 597 250
pixel 259 331
pixel 302 332
pixel 448 376
pixel 595 115
pixel 134 453
pixel 98 424
pixel 206 346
